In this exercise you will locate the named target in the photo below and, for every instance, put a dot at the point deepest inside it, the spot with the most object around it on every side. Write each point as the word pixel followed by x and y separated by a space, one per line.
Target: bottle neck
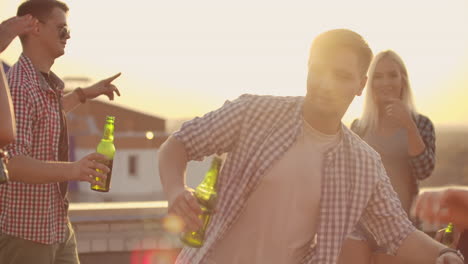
pixel 449 228
pixel 108 132
pixel 211 177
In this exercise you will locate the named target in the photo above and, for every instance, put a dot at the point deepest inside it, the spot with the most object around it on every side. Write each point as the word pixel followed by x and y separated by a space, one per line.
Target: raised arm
pixel 13 27
pixel 9 29
pixel 7 117
pixel 103 87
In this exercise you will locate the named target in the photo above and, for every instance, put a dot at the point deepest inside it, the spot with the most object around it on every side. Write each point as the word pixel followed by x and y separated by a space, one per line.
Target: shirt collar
pixel 34 74
pixel 345 137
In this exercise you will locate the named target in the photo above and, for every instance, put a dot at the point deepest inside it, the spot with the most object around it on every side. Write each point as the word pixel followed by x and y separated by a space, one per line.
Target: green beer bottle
pixel 107 148
pixel 448 237
pixel 206 195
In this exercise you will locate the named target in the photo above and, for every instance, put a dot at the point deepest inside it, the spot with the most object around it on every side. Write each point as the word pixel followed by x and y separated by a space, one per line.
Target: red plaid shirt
pixel 34 212
pixel 256 131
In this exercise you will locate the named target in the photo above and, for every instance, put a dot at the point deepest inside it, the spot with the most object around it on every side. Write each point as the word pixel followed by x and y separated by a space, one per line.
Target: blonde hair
pixel 370 115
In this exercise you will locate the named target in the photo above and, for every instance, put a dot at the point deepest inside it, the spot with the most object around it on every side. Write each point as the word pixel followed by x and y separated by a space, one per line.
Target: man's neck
pixel 40 60
pixel 327 124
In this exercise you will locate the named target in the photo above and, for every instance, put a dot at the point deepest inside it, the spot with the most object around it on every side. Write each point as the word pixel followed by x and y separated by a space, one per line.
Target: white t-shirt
pixel 278 224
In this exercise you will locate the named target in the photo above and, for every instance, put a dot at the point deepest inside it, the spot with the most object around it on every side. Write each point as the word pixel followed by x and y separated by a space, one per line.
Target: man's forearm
pixel 28 170
pixel 70 101
pixel 172 165
pixel 419 248
pixel 6 38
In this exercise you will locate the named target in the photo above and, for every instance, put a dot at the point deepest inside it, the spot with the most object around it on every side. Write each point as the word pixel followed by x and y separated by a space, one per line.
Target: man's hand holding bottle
pixel 184 204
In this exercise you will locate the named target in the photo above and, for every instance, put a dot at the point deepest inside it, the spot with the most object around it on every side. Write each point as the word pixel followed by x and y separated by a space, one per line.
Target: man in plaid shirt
pixel 296 181
pixel 34 226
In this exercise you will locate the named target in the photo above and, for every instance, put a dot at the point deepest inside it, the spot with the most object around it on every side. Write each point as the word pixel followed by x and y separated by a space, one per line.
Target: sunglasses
pixel 63 31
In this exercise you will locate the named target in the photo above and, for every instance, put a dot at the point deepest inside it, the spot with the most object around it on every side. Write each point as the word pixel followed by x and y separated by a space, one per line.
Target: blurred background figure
pixel 404 138
pixel 443 206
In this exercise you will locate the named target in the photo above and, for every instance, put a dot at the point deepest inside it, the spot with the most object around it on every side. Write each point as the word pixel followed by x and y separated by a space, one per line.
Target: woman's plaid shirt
pixel 256 131
pixel 34 212
pixel 423 164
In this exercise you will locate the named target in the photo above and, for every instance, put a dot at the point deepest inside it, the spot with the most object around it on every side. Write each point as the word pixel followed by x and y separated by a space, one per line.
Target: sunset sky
pixel 183 58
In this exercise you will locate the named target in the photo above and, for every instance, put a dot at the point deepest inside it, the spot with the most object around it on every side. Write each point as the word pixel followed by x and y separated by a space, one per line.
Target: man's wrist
pixel 451 250
pixel 81 95
pixel 73 170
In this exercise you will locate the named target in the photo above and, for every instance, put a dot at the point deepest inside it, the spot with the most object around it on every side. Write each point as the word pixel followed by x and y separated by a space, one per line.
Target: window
pixel 132 166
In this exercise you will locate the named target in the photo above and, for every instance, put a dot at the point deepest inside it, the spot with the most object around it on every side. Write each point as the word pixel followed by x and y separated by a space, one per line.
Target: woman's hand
pixel 398 112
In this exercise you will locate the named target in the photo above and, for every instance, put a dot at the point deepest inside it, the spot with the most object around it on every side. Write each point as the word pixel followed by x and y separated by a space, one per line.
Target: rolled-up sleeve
pixel 423 164
pixel 384 217
pixel 215 132
pixel 23 107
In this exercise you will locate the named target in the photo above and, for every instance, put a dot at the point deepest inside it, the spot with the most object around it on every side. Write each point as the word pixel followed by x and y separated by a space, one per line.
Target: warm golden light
pixel 173 223
pixel 181 60
pixel 149 135
pixel 162 258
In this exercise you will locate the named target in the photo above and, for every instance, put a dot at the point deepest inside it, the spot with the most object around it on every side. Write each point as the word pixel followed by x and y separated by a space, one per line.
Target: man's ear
pixel 36 29
pixel 362 85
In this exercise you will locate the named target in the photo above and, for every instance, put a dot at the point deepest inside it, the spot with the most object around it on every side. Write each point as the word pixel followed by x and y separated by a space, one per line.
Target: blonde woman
pixel 404 138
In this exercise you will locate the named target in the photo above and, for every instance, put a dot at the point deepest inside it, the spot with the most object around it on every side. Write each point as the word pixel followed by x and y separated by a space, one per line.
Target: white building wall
pixel 144 184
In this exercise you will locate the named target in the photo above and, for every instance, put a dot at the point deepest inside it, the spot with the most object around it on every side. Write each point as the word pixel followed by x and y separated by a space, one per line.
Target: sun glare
pixel 181 59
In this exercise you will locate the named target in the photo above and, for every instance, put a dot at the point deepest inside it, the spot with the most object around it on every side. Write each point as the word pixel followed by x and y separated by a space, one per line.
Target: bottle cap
pixel 110 119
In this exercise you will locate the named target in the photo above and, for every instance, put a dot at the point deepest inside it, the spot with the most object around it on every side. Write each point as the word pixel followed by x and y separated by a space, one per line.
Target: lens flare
pixel 173 223
pixel 154 256
pixel 149 135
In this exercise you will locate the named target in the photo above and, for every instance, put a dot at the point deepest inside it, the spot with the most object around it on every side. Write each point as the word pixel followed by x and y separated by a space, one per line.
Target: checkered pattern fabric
pixel 35 212
pixel 256 131
pixel 421 165
pixel 424 163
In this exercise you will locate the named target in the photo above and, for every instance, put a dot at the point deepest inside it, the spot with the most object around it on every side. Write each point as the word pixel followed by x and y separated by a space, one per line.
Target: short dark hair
pixel 335 38
pixel 40 9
